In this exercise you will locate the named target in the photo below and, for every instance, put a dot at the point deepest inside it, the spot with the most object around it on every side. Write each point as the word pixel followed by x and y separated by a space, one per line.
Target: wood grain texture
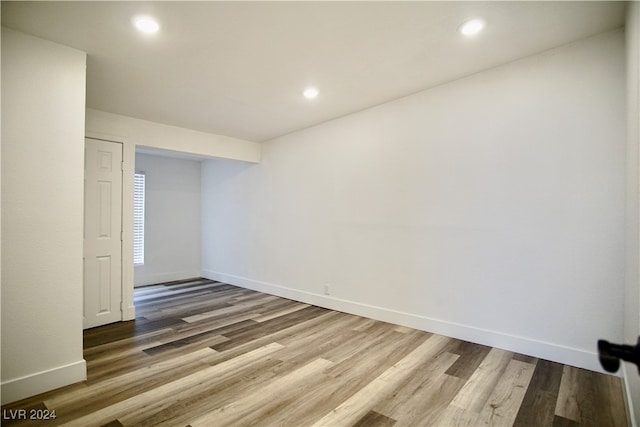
pixel 204 353
pixel 542 394
pixel 477 389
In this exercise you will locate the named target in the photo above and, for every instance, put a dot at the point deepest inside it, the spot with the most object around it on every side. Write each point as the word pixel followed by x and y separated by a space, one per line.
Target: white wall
pixel 43 98
pixel 489 209
pixel 172 219
pixel 632 277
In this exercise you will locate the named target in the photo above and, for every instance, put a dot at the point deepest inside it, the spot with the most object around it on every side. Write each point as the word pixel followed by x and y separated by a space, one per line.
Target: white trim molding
pixel 544 350
pixel 628 370
pixel 30 385
pixel 153 279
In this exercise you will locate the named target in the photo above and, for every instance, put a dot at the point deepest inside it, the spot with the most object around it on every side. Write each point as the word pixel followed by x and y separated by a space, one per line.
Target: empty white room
pixel 320 213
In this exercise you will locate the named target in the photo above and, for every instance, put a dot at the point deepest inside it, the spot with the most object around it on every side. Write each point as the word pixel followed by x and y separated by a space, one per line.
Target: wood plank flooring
pixel 204 353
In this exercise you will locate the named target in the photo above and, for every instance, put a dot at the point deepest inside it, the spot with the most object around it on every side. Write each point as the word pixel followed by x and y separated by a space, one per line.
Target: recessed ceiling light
pixel 146 24
pixel 310 93
pixel 472 27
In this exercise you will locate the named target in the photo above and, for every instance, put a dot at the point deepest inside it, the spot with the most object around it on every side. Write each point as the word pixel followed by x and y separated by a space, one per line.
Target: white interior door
pixel 102 232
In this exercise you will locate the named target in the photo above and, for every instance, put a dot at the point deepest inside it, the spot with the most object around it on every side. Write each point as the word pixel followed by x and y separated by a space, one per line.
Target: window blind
pixel 138 218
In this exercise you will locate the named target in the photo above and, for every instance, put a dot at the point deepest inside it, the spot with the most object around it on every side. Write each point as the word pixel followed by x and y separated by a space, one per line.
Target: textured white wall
pixel 43 102
pixel 490 208
pixel 172 219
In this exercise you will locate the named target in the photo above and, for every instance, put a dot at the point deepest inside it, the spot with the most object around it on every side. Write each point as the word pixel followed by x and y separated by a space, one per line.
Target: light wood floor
pixel 204 353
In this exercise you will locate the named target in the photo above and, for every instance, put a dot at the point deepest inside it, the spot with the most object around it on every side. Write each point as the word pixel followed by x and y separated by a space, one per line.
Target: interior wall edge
pixel 545 350
pixel 40 382
pixel 631 323
pixel 624 369
pixel 42 198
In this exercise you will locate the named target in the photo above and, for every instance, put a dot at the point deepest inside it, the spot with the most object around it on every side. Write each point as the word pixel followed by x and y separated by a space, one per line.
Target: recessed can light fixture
pixel 310 93
pixel 146 24
pixel 472 27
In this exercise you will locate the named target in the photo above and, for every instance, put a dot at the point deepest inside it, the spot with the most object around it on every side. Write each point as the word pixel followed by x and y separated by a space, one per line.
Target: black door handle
pixel 610 355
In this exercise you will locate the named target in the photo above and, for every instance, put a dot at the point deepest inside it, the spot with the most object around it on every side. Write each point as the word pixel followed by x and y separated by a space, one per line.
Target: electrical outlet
pixel 327 291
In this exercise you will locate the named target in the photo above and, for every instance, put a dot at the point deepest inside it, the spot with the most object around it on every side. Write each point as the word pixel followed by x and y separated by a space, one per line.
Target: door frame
pixel 128 311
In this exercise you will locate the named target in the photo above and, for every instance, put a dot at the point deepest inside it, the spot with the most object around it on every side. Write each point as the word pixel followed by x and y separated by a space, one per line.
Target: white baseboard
pixel 544 350
pixel 152 279
pixel 30 385
pixel 628 371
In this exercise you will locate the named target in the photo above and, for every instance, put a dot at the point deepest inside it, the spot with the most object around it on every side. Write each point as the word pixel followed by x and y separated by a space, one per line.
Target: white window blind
pixel 138 218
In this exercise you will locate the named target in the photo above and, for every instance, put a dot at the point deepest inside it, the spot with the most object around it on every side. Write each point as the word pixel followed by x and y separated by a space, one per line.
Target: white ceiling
pixel 239 68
